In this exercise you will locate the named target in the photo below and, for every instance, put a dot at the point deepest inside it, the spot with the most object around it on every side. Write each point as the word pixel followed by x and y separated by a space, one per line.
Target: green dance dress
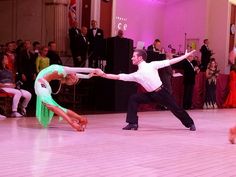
pixel 43 92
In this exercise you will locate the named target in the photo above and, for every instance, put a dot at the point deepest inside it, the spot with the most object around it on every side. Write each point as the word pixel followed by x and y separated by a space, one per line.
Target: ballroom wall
pixel 199 20
pixel 185 18
pixel 174 20
pixel 20 19
pixel 219 31
pixel 142 20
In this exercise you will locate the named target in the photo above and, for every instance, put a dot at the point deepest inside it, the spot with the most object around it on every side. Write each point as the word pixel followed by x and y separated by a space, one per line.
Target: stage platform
pixel 161 147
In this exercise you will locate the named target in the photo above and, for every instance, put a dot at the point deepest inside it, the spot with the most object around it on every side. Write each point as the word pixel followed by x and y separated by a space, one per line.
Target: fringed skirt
pixel 43 92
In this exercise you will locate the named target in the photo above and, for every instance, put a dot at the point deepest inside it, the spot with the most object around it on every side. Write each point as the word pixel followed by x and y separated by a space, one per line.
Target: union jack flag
pixel 72 12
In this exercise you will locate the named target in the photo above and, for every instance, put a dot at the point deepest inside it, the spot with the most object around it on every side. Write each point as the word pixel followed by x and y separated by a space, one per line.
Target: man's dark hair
pixel 205 40
pixel 142 53
pixel 8 43
pixel 36 43
pixel 157 40
pixel 50 43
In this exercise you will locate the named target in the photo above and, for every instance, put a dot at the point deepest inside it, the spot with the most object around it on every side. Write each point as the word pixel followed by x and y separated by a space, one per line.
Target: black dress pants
pixel 188 95
pixel 164 98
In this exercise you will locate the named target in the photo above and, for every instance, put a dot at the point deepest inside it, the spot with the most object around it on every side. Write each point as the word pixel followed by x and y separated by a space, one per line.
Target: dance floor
pixel 161 147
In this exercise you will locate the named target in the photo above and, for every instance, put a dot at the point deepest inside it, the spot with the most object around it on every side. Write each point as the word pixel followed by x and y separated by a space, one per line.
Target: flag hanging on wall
pixel 72 12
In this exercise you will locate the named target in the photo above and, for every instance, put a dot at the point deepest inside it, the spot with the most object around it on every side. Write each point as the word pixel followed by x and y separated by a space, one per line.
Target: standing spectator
pixel 54 59
pixel 211 76
pixel 231 98
pixel 120 34
pixel 42 60
pixel 166 72
pixel 83 46
pixel 52 54
pixel 96 48
pixel 26 67
pixel 2 48
pixel 206 54
pixel 74 33
pixel 190 68
pixel 19 46
pixel 155 47
pixel 230 101
pixel 36 48
pixel 27 72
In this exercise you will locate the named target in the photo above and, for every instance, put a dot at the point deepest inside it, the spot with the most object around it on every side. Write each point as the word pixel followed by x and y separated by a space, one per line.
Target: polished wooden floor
pixel 161 147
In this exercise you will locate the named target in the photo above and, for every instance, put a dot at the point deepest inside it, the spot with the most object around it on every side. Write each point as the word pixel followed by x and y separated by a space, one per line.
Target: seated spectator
pixel 7 84
pixel 2 116
pixel 211 76
pixel 42 61
pixel 10 54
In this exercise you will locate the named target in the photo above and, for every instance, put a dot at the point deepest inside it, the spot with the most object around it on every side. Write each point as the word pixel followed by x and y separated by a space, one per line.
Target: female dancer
pixel 46 106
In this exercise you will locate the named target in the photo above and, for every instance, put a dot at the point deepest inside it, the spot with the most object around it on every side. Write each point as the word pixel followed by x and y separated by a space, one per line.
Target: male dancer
pixel 147 75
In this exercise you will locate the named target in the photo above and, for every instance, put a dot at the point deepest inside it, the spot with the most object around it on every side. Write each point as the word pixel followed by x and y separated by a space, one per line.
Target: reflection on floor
pixel 161 147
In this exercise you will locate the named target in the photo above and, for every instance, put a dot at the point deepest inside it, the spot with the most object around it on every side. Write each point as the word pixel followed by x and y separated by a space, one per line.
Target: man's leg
pixel 133 104
pixel 27 97
pixel 15 102
pixel 167 100
pixel 188 92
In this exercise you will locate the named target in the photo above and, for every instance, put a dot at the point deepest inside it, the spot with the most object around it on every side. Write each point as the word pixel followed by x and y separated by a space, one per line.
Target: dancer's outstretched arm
pixel 69 70
pixel 178 59
pixel 84 76
pixel 111 76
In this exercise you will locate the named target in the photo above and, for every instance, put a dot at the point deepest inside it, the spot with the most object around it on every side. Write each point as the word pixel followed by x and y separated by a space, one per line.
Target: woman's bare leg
pixel 82 120
pixel 62 114
pixel 232 135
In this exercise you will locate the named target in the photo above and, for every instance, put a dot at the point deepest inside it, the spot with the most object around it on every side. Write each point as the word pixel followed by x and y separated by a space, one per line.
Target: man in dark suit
pixel 190 68
pixel 83 46
pixel 155 47
pixel 206 55
pixel 96 46
pixel 26 68
pixel 26 73
pixel 74 33
pixel 52 54
pixel 166 72
pixel 54 58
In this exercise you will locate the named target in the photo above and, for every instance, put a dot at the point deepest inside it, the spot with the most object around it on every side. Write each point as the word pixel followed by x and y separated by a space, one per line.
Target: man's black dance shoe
pixel 192 128
pixel 131 127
